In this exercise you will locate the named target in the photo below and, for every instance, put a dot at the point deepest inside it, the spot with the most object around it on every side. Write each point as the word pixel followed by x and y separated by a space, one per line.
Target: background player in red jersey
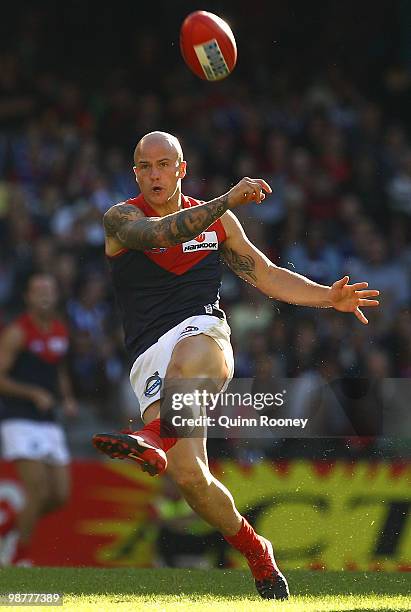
pixel 161 223
pixel 32 377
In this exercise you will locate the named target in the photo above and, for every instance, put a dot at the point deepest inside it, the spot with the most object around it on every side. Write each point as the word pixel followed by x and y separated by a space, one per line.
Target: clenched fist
pixel 248 190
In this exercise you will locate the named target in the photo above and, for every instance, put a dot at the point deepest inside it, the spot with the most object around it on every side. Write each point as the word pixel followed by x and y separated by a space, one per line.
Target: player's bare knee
pixel 197 356
pixel 196 368
pixel 176 370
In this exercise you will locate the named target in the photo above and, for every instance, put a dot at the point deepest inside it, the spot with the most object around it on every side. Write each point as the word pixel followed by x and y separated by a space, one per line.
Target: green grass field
pixel 103 590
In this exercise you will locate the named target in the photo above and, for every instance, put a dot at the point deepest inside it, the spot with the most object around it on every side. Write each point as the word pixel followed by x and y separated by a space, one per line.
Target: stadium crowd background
pixel 318 106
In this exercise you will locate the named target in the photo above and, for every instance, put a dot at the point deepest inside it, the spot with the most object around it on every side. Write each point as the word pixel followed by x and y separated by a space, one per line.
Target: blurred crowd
pixel 337 155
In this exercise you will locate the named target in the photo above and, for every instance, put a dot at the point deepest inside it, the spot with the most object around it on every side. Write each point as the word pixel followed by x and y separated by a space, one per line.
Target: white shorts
pixel 149 369
pixel 40 441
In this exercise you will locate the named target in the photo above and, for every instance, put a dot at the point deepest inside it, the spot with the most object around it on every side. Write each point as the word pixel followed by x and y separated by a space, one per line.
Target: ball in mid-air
pixel 208 46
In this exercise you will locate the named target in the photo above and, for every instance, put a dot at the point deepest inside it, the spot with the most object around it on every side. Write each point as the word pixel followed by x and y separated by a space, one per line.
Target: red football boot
pixel 151 458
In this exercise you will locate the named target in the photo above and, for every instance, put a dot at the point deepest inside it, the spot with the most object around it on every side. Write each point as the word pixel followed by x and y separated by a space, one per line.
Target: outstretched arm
pixel 127 227
pixel 254 267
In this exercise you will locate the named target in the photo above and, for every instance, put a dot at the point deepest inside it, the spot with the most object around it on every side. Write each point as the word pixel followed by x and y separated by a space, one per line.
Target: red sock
pixel 154 431
pixel 261 563
pixel 246 541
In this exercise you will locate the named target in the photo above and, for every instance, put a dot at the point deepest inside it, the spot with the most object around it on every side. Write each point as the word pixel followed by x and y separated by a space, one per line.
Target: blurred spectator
pixel 399 189
pixel 88 313
pixel 315 258
pixel 390 276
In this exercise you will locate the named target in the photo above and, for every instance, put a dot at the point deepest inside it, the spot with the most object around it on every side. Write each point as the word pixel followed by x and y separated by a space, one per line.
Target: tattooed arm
pixel 253 266
pixel 127 227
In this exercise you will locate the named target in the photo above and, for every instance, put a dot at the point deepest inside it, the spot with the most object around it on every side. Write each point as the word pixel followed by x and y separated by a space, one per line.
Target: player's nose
pixel 155 173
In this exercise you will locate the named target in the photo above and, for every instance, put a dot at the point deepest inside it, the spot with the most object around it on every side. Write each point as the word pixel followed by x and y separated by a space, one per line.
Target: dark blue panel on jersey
pixel 152 300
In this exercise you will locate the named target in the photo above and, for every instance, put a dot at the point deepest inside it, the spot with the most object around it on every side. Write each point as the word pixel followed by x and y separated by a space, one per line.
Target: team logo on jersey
pixel 207 241
pixel 153 385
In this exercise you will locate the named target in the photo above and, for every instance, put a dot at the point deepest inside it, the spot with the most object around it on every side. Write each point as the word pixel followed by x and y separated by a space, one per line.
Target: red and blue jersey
pixel 37 365
pixel 158 288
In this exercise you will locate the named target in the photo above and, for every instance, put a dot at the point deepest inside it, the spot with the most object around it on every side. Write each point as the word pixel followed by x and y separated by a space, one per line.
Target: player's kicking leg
pixel 210 499
pixel 188 466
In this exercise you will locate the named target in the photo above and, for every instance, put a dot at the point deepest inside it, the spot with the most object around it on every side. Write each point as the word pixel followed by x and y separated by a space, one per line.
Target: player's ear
pixel 135 174
pixel 182 170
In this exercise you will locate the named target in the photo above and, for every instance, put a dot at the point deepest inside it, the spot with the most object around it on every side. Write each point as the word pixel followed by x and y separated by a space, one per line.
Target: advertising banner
pixel 319 515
